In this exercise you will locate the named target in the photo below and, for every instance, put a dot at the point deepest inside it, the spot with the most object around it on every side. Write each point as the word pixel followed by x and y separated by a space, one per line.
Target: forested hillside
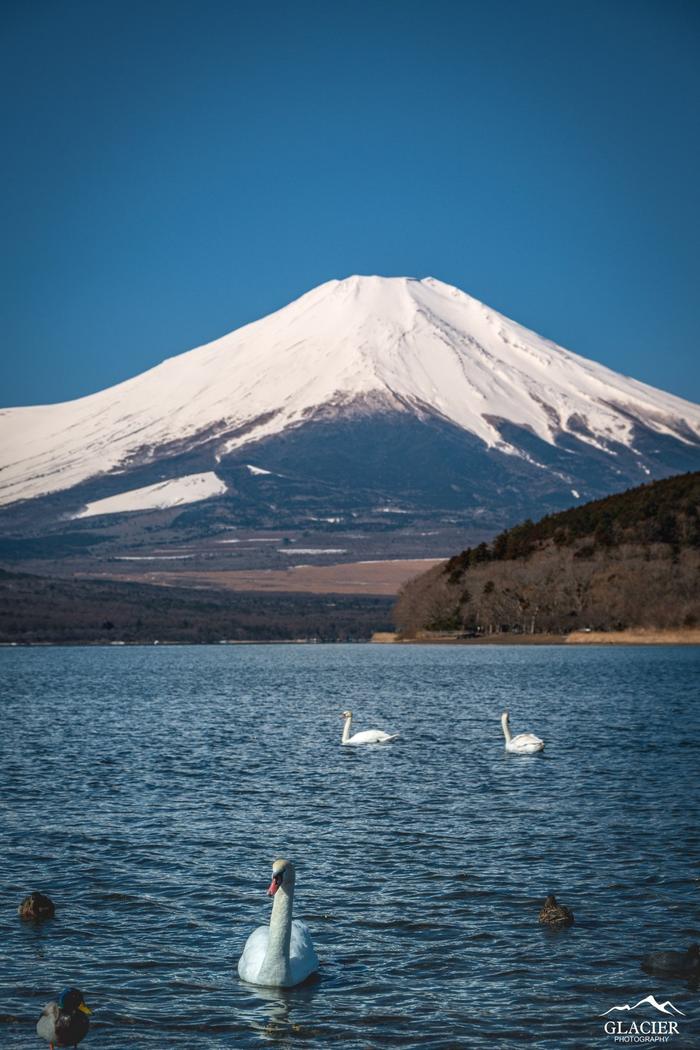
pixel 42 609
pixel 628 560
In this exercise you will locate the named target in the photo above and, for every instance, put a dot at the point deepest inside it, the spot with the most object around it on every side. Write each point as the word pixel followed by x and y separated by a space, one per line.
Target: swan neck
pixel 275 966
pixel 346 729
pixel 506 729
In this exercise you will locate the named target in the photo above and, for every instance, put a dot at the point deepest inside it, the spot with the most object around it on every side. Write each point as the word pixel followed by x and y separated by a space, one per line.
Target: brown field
pixel 432 638
pixel 637 636
pixel 632 636
pixel 371 578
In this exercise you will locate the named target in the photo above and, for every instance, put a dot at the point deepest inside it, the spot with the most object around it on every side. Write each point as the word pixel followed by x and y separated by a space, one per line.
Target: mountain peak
pixel 380 291
pixel 363 343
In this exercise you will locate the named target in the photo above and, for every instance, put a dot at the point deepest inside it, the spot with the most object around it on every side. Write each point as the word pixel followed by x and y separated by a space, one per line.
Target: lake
pixel 147 791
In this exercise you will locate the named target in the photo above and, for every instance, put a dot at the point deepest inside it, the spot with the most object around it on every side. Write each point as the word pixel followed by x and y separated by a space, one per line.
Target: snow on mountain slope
pixel 172 493
pixel 358 345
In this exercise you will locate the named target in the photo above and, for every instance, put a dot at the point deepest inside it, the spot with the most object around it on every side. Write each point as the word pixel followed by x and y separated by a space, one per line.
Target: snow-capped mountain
pixel 366 395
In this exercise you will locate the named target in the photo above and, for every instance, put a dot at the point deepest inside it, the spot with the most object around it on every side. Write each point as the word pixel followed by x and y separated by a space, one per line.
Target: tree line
pixel 632 559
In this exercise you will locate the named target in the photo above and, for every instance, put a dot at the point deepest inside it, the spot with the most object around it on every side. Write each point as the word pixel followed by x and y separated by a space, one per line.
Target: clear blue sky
pixel 176 169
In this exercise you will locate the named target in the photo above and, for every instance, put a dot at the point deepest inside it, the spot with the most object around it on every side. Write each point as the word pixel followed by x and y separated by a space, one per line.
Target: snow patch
pixel 173 493
pixel 382 561
pixel 312 550
pixel 153 557
pixel 254 539
pixel 257 470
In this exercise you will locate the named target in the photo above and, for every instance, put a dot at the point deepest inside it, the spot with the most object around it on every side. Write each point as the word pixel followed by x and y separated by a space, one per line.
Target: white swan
pixel 367 736
pixel 523 743
pixel 282 954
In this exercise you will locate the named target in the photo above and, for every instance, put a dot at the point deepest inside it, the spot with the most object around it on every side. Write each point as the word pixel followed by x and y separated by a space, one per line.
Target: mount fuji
pixel 369 403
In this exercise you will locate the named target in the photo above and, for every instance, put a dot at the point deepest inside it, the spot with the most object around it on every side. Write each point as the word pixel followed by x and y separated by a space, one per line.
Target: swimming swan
pixel 282 954
pixel 523 743
pixel 367 736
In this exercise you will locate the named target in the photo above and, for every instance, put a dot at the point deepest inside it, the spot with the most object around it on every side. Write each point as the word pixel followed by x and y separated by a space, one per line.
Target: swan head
pixel 282 875
pixel 346 714
pixel 505 718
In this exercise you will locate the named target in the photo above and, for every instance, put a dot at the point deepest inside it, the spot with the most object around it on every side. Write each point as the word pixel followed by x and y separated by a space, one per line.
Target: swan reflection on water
pixel 273 1009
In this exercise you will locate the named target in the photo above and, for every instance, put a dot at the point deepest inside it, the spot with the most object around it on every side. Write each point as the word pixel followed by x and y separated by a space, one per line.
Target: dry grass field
pixel 370 578
pixel 637 636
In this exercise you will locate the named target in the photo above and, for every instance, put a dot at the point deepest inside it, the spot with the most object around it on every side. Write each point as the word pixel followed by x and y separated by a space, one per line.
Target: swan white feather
pixel 523 743
pixel 282 954
pixel 366 736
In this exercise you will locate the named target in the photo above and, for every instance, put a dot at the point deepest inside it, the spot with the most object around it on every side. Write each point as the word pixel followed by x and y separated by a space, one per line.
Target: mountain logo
pixel 623 1028
pixel 666 1007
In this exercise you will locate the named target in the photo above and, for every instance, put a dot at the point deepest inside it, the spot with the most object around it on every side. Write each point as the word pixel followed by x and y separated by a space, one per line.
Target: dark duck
pixel 36 906
pixel 555 914
pixel 65 1021
pixel 674 964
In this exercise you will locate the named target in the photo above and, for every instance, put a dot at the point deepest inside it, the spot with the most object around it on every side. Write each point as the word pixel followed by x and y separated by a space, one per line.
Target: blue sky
pixel 177 169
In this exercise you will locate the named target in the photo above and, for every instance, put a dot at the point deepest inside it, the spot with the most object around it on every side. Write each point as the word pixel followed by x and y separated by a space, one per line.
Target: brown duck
pixel 36 906
pixel 554 914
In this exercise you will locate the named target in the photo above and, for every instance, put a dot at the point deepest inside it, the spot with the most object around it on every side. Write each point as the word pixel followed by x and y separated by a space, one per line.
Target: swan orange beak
pixel 275 884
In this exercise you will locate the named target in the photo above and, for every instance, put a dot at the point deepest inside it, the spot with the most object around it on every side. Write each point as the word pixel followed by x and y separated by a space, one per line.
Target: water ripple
pixel 147 790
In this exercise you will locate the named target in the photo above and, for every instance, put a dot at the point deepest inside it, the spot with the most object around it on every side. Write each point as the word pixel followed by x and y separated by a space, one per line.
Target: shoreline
pixel 631 636
pixel 637 636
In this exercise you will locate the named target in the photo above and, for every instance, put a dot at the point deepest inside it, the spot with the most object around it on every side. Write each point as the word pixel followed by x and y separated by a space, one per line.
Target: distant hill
pixel 630 560
pixel 35 609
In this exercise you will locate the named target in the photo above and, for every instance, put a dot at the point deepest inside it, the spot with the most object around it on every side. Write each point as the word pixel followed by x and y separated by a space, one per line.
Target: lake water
pixel 147 790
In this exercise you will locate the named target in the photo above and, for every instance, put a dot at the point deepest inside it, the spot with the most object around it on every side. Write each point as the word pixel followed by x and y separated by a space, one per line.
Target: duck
pixel 65 1022
pixel 555 914
pixel 282 954
pixel 523 743
pixel 674 964
pixel 367 736
pixel 37 906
